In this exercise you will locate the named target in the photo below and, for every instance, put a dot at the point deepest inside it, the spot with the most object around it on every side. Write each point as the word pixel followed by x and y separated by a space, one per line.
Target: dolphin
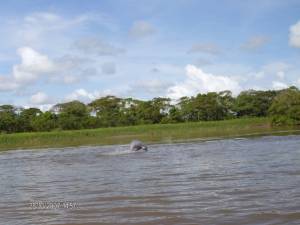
pixel 137 145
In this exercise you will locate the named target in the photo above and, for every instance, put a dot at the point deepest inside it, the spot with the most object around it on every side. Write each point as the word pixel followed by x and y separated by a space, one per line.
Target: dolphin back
pixel 136 145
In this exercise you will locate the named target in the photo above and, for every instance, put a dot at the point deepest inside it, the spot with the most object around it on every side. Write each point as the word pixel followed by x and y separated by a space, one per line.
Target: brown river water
pixel 233 181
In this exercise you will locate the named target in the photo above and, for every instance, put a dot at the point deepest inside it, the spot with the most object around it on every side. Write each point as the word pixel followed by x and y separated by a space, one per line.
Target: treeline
pixel 282 106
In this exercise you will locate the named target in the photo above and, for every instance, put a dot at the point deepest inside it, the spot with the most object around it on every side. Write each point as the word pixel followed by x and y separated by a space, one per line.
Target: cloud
pixel 277 85
pixel 142 29
pixel 155 70
pixel 73 69
pixel 151 86
pixel 70 79
pixel 54 21
pixel 295 35
pixel 278 69
pixel 98 47
pixel 4 57
pixel 109 68
pixel 167 69
pixel 85 96
pixel 281 75
pixel 202 62
pixel 39 25
pixel 7 84
pixel 40 98
pixel 33 65
pixel 275 67
pixel 257 75
pixel 255 43
pixel 209 48
pixel 198 81
pixel 49 29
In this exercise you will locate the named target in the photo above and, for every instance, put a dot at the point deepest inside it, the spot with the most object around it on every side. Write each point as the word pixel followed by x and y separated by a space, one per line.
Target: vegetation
pixel 282 106
pixel 163 133
pixel 285 108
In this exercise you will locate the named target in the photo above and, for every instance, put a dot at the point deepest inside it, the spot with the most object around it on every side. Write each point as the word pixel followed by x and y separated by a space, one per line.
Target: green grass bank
pixel 162 133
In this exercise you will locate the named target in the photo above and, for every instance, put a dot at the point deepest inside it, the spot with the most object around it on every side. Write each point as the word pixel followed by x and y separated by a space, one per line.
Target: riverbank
pixel 156 133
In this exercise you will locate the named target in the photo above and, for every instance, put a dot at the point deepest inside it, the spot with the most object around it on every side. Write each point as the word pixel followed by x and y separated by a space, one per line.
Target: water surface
pixel 234 181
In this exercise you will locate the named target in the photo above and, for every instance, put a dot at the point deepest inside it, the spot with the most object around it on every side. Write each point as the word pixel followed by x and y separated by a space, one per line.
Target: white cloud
pixel 198 81
pixel 40 98
pixel 209 48
pixel 275 67
pixel 255 43
pixel 85 96
pixel 4 57
pixel 33 65
pixel 298 82
pixel 257 75
pixel 168 69
pixel 109 68
pixel 153 86
pixel 142 29
pixel 73 69
pixel 202 62
pixel 155 70
pixel 50 30
pixel 280 74
pixel 7 84
pixel 70 79
pixel 97 46
pixel 44 18
pixel 277 85
pixel 295 35
pixel 40 24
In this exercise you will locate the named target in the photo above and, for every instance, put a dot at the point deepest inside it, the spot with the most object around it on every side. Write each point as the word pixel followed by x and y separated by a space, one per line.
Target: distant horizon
pixel 59 51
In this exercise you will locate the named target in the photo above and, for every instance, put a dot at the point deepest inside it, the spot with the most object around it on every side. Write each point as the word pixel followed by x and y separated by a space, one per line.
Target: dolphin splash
pixel 137 145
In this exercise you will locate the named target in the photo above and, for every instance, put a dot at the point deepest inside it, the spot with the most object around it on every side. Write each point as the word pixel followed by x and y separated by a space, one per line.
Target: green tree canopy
pixel 26 117
pixel 285 109
pixel 72 115
pixel 254 103
pixel 8 118
pixel 108 109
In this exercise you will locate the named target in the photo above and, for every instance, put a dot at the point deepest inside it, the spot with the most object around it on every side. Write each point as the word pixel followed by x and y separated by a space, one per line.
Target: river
pixel 232 181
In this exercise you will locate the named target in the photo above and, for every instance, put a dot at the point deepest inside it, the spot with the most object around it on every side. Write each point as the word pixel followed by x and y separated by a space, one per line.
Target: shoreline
pixel 150 134
pixel 179 141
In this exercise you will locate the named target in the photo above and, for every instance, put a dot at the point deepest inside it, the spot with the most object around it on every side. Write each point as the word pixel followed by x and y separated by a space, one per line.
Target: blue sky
pixel 57 51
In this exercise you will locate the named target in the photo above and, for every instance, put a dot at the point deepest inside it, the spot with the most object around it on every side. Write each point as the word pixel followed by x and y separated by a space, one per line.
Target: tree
pixel 174 115
pixel 210 106
pixel 44 122
pixel 108 109
pixel 128 115
pixel 254 103
pixel 8 119
pixel 26 117
pixel 285 109
pixel 187 109
pixel 153 111
pixel 72 115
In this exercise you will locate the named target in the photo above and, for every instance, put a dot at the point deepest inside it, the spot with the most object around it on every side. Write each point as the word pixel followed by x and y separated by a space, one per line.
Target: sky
pixel 55 51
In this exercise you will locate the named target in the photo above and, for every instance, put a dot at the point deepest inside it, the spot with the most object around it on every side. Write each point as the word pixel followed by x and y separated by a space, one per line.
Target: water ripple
pixel 237 181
